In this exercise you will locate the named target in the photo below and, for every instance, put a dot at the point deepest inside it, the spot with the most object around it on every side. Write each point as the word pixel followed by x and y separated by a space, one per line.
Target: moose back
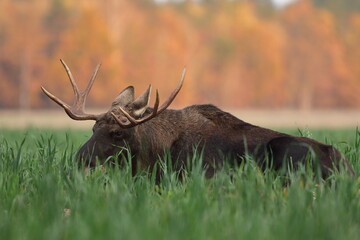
pixel 150 132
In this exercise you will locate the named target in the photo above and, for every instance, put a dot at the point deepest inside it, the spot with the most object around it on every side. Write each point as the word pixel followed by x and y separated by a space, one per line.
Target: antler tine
pixel 128 116
pixel 157 101
pixel 174 93
pixel 156 109
pixel 154 112
pixel 133 121
pixel 55 99
pixel 71 78
pixel 91 82
pixel 76 111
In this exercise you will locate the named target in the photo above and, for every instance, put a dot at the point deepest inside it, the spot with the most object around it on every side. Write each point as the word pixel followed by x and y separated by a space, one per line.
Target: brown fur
pixel 220 135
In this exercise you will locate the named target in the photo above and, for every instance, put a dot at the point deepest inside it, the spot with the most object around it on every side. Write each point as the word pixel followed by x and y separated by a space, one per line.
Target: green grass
pixel 44 195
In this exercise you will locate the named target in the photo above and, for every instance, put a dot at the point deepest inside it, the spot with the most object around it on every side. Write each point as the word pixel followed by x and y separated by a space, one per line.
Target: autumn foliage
pixel 237 53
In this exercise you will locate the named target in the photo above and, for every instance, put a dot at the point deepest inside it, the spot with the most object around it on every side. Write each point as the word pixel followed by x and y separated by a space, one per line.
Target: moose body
pixel 221 137
pixel 201 128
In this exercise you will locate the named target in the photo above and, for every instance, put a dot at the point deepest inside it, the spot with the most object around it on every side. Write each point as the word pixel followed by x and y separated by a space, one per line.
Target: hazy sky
pixel 279 3
pixel 282 3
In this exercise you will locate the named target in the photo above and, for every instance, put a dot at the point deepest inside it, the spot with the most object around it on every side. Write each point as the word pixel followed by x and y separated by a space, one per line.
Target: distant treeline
pixel 237 53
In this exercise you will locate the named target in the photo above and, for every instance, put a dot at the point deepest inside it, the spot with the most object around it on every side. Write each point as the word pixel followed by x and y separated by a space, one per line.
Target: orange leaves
pixel 316 61
pixel 235 55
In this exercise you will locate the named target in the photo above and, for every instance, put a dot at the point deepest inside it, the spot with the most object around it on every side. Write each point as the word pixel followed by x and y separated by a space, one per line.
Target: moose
pixel 151 132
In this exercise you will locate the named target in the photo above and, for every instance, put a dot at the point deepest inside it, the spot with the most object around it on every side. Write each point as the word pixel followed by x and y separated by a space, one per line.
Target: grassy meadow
pixel 44 195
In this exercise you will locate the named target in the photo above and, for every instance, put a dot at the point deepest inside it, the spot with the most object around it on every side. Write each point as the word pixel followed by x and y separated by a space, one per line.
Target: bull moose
pixel 150 132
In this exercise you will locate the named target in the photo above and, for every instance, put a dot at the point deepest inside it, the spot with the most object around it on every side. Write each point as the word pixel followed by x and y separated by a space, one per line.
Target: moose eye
pixel 117 134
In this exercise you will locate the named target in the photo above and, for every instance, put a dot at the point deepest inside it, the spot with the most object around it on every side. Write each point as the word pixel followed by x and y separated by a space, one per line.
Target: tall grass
pixel 45 195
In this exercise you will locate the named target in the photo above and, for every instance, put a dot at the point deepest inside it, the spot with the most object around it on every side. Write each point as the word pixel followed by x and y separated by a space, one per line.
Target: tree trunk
pixel 24 86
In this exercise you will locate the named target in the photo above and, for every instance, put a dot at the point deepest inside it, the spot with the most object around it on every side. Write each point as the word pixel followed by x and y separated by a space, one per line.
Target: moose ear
pixel 125 97
pixel 140 104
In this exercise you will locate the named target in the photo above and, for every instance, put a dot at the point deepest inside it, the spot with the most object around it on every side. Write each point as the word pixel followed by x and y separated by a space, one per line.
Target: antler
pixel 156 109
pixel 77 110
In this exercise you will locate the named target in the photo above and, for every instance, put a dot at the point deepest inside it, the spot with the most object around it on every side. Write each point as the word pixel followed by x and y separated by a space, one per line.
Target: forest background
pixel 238 54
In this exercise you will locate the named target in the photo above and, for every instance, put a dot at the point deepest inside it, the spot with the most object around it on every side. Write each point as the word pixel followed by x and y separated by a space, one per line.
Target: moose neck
pixel 156 136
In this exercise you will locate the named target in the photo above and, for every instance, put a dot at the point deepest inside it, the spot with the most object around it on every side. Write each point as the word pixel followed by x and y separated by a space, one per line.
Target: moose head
pixel 151 131
pixel 114 129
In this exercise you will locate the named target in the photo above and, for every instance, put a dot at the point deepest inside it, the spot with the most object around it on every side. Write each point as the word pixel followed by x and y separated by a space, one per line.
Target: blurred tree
pixel 351 39
pixel 318 76
pixel 22 38
pixel 341 8
pixel 242 55
pixel 82 44
pixel 57 19
pixel 239 53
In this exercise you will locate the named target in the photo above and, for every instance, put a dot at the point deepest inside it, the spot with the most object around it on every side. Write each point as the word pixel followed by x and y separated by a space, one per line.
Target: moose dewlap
pixel 151 131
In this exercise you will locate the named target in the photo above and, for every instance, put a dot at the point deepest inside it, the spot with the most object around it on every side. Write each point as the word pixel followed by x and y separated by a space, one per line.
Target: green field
pixel 44 195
